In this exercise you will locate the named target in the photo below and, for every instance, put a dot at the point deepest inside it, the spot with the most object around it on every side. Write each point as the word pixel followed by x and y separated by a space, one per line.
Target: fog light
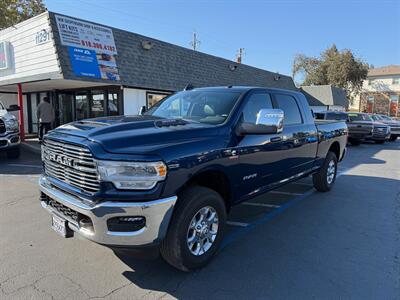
pixel 126 224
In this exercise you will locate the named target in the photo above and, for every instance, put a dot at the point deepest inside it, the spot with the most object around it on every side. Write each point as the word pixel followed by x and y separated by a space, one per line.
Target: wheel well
pixel 215 180
pixel 335 148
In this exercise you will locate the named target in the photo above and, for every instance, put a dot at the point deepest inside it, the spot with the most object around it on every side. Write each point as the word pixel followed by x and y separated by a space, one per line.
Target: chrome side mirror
pixel 271 118
pixel 269 121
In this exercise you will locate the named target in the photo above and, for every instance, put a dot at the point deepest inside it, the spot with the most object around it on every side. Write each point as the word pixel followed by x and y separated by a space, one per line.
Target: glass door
pixel 98 107
pixel 82 105
pixel 64 108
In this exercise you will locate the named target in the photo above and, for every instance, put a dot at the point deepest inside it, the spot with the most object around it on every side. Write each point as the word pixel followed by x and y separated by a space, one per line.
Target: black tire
pixel 355 142
pixel 174 249
pixel 320 179
pixel 393 138
pixel 13 153
pixel 379 141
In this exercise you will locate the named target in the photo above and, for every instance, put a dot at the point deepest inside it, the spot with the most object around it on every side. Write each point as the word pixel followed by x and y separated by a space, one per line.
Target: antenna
pixel 195 42
pixel 240 55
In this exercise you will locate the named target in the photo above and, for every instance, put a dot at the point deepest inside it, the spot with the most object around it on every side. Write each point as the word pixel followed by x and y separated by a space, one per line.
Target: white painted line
pixel 237 224
pixel 285 193
pixel 24 165
pixel 261 204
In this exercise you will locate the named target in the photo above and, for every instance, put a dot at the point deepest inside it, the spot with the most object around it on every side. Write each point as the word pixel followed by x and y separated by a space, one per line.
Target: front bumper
pixel 157 214
pixel 9 140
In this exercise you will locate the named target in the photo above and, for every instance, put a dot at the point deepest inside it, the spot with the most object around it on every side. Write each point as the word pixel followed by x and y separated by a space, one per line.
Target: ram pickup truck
pixel 9 132
pixel 358 131
pixel 392 123
pixel 168 178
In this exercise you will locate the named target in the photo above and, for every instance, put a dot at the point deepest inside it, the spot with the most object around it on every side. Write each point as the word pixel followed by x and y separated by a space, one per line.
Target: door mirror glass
pixel 269 121
pixel 142 110
pixel 13 107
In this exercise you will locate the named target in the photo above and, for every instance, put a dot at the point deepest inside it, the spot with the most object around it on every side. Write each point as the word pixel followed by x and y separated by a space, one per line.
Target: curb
pixel 30 148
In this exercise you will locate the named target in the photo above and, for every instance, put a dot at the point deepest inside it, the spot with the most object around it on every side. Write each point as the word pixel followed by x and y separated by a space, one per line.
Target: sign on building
pixel 91 48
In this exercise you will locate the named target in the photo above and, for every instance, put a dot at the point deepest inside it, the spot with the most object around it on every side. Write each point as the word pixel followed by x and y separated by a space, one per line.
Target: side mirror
pixel 269 121
pixel 13 107
pixel 142 110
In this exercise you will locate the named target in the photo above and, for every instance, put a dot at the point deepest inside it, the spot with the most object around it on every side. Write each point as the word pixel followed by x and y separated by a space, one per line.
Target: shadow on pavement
pixel 329 244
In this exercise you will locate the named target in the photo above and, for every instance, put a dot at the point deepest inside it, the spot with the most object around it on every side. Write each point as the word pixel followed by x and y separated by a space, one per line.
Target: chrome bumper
pixel 157 213
pixel 11 139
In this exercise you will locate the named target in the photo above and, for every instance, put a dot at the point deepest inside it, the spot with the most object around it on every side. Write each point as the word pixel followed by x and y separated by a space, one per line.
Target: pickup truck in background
pixel 168 178
pixel 358 126
pixel 379 132
pixel 9 132
pixel 392 123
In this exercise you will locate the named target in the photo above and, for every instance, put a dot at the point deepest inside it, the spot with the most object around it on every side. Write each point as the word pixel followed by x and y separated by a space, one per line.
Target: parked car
pixel 391 122
pixel 168 178
pixel 358 130
pixel 9 132
pixel 377 132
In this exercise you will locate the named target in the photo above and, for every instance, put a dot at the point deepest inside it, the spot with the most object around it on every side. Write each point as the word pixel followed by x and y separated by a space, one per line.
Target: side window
pixel 290 108
pixel 254 104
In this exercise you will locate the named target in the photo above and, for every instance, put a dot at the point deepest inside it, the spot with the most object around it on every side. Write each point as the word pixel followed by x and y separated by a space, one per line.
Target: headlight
pixel 11 123
pixel 132 175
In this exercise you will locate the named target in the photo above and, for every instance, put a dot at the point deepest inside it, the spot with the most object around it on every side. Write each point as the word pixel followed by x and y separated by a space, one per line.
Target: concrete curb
pixel 30 148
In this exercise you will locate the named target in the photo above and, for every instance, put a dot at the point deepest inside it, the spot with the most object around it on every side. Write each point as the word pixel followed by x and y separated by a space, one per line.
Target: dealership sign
pixel 99 59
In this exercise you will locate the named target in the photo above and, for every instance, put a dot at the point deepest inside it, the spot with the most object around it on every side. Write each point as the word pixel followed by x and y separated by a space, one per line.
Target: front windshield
pixel 336 116
pixel 376 118
pixel 386 118
pixel 212 107
pixel 359 117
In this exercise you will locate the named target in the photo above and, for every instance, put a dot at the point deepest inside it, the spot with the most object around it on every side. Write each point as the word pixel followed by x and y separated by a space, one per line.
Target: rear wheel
pixel 196 229
pixel 326 176
pixel 13 153
pixel 393 138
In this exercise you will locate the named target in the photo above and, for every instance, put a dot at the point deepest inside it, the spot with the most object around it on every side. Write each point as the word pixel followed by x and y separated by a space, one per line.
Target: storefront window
pixel 98 104
pixel 82 106
pixel 113 103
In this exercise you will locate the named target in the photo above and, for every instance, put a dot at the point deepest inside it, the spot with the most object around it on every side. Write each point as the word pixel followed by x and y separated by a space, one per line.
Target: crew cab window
pixel 290 108
pixel 254 104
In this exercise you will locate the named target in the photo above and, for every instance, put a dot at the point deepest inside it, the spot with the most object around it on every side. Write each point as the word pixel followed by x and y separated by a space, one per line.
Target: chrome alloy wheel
pixel 330 173
pixel 202 231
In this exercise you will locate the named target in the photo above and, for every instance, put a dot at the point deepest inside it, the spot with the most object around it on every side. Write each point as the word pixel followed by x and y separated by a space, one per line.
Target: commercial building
pixel 380 92
pixel 92 70
pixel 325 97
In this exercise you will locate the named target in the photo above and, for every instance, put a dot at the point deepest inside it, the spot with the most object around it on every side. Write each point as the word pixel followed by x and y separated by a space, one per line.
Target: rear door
pixel 299 136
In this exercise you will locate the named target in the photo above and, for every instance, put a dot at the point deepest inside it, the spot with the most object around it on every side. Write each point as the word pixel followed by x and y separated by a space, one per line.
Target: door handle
pixel 276 139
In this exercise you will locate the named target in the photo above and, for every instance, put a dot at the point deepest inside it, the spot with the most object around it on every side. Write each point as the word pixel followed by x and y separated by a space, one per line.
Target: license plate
pixel 59 225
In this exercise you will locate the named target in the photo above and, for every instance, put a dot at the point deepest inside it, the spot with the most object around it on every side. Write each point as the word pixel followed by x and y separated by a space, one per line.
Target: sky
pixel 271 32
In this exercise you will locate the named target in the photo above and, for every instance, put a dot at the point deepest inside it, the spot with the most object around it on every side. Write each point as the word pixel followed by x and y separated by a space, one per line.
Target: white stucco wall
pixel 134 99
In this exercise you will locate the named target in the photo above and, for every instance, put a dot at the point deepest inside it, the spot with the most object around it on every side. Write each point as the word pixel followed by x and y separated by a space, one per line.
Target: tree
pixel 338 68
pixel 15 11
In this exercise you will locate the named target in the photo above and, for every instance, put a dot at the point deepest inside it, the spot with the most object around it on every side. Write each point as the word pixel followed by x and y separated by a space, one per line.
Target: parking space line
pixel 260 204
pixel 240 224
pixel 285 193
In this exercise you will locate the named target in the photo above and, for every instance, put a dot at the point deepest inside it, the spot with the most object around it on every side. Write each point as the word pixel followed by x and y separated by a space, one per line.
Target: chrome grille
pixel 71 164
pixel 380 130
pixel 2 126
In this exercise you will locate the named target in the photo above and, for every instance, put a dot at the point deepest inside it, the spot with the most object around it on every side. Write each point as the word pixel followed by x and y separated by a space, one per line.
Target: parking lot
pixel 293 243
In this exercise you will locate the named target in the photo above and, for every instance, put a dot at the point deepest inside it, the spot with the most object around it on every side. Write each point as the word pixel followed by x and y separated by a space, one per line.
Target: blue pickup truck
pixel 168 178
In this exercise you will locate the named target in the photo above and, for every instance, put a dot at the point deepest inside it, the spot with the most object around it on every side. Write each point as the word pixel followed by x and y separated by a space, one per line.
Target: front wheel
pixel 393 138
pixel 196 229
pixel 326 176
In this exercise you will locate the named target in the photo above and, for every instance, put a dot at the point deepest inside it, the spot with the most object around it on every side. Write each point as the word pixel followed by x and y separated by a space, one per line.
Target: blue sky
pixel 271 32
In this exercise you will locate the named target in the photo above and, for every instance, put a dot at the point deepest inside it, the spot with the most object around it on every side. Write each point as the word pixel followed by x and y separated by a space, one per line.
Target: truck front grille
pixel 2 126
pixel 71 164
pixel 380 130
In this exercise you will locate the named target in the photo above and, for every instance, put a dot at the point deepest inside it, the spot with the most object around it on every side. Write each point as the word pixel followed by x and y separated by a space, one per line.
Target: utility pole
pixel 240 55
pixel 195 42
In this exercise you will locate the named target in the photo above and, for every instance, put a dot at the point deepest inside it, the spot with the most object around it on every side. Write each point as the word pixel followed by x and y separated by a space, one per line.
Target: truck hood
pixel 137 134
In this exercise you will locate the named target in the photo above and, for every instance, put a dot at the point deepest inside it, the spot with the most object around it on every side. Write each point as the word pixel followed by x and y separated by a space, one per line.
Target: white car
pixel 9 132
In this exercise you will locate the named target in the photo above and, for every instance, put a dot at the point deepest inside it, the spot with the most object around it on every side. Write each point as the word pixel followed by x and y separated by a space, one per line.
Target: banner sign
pixel 99 43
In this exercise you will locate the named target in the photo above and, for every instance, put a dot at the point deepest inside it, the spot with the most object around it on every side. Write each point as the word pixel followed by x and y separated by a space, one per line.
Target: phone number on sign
pixel 97 46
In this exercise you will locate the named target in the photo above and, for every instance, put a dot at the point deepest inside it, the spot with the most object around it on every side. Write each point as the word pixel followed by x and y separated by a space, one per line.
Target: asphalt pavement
pixel 293 243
